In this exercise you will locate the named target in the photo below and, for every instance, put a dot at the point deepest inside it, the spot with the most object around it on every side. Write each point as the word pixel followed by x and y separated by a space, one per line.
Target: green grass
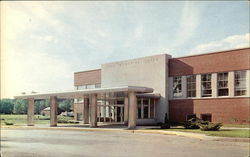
pixel 21 119
pixel 237 125
pixel 241 133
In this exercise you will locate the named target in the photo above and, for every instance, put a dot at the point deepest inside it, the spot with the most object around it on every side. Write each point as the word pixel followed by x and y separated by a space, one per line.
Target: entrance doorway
pixel 110 113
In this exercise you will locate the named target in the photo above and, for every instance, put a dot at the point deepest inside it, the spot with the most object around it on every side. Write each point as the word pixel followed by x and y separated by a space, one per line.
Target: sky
pixel 44 43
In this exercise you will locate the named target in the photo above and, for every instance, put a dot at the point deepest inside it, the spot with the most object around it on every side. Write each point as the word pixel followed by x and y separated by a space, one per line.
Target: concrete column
pixel 248 82
pixel 198 86
pixel 214 85
pixel 93 110
pixel 30 115
pixel 231 83
pixel 184 86
pixel 132 110
pixel 86 111
pixel 126 110
pixel 53 111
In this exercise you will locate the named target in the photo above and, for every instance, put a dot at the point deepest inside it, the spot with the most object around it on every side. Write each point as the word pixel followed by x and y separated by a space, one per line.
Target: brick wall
pixel 87 77
pixel 213 62
pixel 226 110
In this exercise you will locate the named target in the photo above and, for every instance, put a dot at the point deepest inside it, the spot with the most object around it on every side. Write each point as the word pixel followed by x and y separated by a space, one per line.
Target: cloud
pixel 188 23
pixel 230 42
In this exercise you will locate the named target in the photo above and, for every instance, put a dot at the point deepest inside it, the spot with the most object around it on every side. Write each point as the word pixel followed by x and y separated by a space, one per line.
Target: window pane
pixel 191 86
pixel 177 86
pixel 222 84
pixel 240 83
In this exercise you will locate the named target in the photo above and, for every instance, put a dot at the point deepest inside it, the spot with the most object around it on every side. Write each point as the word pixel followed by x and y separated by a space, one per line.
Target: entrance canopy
pixel 91 97
pixel 80 93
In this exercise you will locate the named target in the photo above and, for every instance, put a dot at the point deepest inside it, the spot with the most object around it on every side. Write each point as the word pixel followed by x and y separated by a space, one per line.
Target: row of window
pixel 240 86
pixel 89 86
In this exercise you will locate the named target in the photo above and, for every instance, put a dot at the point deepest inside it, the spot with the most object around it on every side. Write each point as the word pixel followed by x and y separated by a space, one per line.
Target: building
pixel 45 111
pixel 212 86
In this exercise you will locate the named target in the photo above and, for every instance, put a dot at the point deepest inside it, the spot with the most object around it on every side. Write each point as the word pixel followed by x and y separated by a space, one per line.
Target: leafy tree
pixel 40 105
pixel 65 105
pixel 20 106
pixel 6 106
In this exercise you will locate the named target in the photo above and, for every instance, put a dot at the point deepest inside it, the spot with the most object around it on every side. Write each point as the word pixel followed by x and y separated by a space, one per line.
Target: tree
pixel 20 106
pixel 6 106
pixel 40 105
pixel 65 105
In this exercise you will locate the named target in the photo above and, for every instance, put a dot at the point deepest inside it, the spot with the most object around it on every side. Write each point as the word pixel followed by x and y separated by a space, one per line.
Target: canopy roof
pixel 81 93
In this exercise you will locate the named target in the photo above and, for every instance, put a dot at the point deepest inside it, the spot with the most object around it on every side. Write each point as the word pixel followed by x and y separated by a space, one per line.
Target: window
pixel 240 83
pixel 177 86
pixel 191 86
pixel 206 117
pixel 90 86
pixel 98 85
pixel 81 87
pixel 145 108
pixel 206 87
pixel 190 116
pixel 222 84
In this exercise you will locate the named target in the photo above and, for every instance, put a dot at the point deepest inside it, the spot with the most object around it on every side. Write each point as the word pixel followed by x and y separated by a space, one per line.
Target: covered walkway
pixel 91 97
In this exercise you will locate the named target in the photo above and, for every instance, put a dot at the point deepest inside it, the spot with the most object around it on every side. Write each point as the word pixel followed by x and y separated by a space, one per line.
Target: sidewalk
pixel 122 128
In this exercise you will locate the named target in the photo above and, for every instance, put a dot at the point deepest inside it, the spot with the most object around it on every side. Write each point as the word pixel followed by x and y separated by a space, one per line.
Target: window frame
pixel 240 80
pixel 177 85
pixel 210 81
pixel 191 83
pixel 222 81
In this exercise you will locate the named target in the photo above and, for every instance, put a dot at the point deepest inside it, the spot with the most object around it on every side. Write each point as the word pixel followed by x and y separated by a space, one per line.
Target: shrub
pixel 44 118
pixel 210 126
pixel 193 123
pixel 73 121
pixel 63 119
pixel 9 123
pixel 165 126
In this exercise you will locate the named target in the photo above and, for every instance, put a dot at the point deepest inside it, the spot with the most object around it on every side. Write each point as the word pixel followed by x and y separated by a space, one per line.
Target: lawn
pixel 241 133
pixel 21 119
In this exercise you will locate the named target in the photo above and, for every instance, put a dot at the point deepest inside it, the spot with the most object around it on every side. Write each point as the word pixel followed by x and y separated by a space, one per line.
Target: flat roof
pixel 81 93
pixel 209 53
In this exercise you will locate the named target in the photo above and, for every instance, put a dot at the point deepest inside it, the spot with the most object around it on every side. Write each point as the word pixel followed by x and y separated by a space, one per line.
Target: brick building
pixel 213 86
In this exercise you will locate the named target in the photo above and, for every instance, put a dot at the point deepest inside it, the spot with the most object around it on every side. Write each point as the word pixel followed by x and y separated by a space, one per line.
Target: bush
pixel 63 119
pixel 73 121
pixel 193 123
pixel 43 118
pixel 210 126
pixel 9 123
pixel 165 126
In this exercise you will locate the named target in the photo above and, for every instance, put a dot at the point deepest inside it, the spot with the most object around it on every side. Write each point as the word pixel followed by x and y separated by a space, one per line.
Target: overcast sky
pixel 44 43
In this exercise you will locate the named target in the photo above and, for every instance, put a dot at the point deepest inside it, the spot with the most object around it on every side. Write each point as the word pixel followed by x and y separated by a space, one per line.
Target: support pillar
pixel 93 110
pixel 30 113
pixel 132 110
pixel 86 111
pixel 126 110
pixel 53 111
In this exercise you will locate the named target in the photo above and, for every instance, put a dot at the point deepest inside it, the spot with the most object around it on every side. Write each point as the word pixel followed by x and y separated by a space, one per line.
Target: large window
pixel 191 86
pixel 145 108
pixel 240 83
pixel 206 87
pixel 222 84
pixel 177 86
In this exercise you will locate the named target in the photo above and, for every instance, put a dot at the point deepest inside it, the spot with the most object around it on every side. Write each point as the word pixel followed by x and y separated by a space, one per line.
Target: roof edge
pixel 208 53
